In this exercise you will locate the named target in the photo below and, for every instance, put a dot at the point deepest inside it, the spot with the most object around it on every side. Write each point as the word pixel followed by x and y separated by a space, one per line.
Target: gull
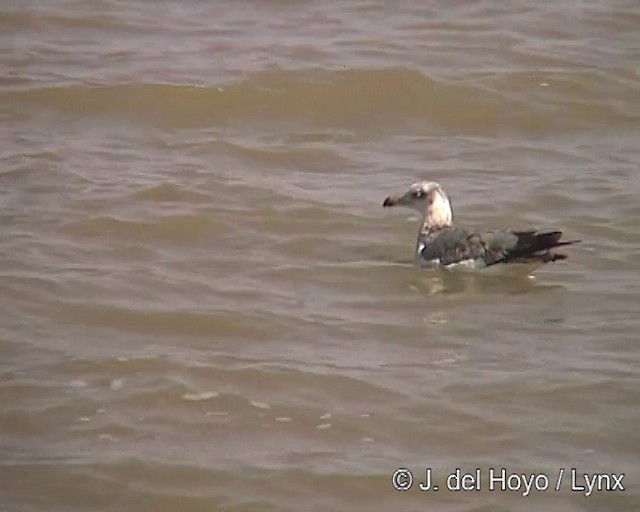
pixel 441 244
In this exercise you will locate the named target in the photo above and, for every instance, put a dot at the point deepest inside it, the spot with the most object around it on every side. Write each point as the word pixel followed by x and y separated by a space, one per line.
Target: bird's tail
pixel 534 246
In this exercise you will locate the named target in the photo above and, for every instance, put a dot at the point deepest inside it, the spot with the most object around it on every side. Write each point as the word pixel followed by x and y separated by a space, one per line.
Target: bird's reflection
pixel 442 282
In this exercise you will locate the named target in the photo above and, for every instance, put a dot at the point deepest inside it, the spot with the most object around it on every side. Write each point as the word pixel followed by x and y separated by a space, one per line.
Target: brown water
pixel 203 305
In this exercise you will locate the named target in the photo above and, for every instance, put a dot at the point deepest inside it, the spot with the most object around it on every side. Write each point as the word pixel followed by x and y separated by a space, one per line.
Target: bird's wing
pixel 452 245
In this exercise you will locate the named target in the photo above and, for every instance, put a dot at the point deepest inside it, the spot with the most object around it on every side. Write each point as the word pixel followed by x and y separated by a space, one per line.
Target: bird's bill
pixel 397 200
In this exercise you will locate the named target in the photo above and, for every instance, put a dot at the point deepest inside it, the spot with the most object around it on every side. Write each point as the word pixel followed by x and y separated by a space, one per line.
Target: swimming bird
pixel 441 244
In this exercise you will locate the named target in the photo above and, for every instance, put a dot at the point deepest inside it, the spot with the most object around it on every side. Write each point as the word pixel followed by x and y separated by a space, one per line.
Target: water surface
pixel 204 306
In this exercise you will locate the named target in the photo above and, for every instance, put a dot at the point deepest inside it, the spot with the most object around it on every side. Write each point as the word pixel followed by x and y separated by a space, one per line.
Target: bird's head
pixel 428 198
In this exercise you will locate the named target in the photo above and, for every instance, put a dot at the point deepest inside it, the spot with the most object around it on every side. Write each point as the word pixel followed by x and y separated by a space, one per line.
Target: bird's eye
pixel 418 193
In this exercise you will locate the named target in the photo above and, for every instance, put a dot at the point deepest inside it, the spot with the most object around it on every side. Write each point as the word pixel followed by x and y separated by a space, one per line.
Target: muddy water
pixel 204 306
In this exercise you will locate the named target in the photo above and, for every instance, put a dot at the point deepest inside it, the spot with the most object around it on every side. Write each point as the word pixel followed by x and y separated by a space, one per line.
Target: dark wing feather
pixel 518 246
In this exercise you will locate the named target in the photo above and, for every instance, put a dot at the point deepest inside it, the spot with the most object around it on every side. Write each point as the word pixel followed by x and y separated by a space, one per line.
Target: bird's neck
pixel 436 217
pixel 437 214
pixel 429 227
